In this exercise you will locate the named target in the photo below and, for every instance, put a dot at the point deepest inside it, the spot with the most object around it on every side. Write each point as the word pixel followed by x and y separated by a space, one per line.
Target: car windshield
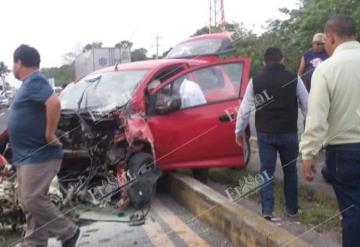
pixel 196 48
pixel 102 92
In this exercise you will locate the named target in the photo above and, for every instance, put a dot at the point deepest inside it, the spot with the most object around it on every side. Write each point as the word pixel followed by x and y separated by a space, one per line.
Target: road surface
pixel 167 224
pixel 3 119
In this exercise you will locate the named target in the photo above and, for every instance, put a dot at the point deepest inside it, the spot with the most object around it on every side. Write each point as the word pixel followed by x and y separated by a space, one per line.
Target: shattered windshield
pixel 102 91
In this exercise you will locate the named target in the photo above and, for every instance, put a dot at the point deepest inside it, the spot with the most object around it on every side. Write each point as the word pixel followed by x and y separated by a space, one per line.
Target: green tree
pixel 124 44
pixel 69 57
pixel 295 33
pixel 88 47
pixel 62 75
pixel 139 54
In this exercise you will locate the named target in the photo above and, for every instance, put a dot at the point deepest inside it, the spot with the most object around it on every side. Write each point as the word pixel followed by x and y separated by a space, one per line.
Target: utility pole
pixel 157 45
pixel 210 14
pixel 215 12
pixel 222 12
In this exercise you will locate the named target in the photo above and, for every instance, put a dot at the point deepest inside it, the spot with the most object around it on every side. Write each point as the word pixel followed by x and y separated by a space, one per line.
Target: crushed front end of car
pixel 106 162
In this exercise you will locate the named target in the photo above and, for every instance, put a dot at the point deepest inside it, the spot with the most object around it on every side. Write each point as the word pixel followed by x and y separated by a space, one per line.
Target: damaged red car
pixel 121 125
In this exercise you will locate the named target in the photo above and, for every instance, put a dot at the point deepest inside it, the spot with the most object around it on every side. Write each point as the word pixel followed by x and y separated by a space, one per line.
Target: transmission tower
pixel 217 10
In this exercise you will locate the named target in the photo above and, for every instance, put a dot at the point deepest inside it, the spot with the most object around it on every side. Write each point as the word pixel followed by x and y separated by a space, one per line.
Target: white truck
pixel 98 58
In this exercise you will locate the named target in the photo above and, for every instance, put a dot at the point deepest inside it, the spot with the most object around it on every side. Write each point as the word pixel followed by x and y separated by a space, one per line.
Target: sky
pixel 56 27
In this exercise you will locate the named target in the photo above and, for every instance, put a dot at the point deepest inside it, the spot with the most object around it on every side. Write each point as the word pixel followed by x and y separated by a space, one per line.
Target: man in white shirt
pixel 334 122
pixel 191 94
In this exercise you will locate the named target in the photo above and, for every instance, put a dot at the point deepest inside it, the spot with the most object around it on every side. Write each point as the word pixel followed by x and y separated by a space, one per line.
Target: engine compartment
pixel 95 166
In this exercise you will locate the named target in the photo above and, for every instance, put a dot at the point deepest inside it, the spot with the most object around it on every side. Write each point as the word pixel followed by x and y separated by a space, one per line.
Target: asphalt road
pixel 3 119
pixel 167 224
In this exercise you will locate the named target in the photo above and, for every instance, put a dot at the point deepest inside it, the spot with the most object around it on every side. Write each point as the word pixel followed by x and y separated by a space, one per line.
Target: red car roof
pixel 150 64
pixel 224 36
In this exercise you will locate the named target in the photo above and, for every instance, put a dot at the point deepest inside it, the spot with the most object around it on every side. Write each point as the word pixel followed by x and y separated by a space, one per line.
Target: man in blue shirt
pixel 37 153
pixel 312 58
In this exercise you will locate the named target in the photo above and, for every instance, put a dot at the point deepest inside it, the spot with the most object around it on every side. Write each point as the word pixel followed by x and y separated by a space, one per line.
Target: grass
pixel 317 207
pixel 7 238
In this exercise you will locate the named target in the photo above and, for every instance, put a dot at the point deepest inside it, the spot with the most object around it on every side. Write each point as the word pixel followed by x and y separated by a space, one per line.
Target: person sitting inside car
pixel 191 94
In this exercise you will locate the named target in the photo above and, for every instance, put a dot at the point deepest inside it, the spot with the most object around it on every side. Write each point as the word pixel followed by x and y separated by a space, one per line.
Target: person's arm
pixel 8 168
pixel 302 95
pixel 301 69
pixel 40 91
pixel 243 116
pixel 316 123
pixel 53 113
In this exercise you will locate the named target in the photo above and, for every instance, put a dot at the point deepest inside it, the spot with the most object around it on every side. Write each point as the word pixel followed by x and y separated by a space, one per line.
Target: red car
pixel 121 124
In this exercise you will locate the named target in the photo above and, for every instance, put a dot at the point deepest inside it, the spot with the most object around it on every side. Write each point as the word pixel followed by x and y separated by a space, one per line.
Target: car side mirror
pixel 171 104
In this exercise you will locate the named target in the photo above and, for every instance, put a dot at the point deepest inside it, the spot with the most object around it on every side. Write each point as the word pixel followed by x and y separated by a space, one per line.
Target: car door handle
pixel 226 118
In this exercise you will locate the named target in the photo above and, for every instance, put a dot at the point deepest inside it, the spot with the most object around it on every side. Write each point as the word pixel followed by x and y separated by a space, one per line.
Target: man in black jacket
pixel 275 93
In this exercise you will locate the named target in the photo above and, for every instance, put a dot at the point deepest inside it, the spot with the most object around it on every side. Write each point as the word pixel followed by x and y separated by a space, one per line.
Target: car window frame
pixel 203 66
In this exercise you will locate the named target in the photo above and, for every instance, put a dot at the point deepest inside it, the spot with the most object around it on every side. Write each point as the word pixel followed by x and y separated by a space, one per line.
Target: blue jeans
pixel 288 148
pixel 343 173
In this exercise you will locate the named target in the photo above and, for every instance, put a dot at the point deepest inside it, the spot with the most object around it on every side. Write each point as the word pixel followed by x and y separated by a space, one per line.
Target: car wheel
pixel 201 174
pixel 141 168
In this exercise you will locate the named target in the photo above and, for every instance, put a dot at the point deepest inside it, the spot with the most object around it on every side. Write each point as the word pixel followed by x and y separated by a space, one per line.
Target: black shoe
pixel 72 241
pixel 267 216
pixel 295 214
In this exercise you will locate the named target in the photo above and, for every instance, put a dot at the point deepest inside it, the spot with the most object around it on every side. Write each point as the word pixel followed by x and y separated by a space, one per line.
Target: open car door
pixel 189 120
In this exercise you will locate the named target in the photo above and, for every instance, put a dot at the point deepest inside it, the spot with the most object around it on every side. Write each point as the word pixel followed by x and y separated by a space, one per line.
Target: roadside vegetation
pixel 319 210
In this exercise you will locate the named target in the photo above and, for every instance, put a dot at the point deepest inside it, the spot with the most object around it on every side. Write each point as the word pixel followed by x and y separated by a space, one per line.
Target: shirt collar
pixel 347 46
pixel 275 66
pixel 31 75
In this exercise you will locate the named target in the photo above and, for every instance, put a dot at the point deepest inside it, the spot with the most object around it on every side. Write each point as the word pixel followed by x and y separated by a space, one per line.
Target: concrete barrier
pixel 240 225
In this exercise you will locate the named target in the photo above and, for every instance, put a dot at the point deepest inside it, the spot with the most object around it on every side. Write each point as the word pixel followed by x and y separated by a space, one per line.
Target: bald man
pixel 334 122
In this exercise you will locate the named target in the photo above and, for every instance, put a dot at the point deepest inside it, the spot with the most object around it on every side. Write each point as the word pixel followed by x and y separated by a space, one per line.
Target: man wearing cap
pixel 312 58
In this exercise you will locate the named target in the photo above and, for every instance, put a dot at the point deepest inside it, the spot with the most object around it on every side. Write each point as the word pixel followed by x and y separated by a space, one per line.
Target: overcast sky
pixel 55 27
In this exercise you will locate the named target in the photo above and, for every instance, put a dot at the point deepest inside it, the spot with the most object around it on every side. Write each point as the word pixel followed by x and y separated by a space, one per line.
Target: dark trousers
pixel 288 148
pixel 343 173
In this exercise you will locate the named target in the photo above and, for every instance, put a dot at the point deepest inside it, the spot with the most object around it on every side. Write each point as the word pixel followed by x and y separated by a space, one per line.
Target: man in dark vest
pixel 275 93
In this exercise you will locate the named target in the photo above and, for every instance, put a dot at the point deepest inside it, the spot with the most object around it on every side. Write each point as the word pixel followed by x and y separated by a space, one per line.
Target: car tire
pixel 136 169
pixel 137 161
pixel 201 174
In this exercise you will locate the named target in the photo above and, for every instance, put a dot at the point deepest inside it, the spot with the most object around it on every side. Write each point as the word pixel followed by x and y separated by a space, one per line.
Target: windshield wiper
pixel 91 81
